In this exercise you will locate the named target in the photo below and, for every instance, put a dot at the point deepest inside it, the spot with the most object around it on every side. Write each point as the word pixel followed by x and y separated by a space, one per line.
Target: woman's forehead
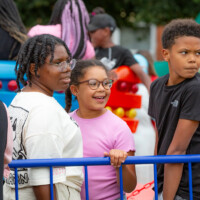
pixel 60 52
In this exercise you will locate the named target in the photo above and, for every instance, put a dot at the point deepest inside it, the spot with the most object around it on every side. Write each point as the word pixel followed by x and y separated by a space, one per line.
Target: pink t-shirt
pixel 45 29
pixel 55 30
pixel 100 135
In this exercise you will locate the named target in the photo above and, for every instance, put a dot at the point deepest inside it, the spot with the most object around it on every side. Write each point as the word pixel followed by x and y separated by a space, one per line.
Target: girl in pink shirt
pixel 104 134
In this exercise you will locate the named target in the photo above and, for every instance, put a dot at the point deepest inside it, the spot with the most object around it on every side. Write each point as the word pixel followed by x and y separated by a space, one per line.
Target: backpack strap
pixel 3 141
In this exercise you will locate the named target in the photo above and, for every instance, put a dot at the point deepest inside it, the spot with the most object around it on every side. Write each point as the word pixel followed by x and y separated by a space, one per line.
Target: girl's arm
pixel 173 172
pixel 129 175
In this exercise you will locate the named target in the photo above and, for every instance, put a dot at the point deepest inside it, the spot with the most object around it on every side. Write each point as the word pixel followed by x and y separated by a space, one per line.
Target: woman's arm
pixel 42 192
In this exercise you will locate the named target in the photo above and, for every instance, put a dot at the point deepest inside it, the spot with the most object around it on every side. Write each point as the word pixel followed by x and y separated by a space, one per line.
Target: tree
pixel 161 12
pixel 35 11
pixel 126 12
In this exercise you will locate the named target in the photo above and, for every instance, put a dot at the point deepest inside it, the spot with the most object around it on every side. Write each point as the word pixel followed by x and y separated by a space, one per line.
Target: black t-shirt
pixel 9 47
pixel 115 56
pixel 167 105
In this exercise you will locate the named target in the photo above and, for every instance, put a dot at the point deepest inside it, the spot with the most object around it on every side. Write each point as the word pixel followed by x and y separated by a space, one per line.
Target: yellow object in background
pixel 119 112
pixel 109 108
pixel 131 113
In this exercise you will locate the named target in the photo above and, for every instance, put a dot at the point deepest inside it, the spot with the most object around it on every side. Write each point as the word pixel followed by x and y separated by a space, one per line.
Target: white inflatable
pixel 144 136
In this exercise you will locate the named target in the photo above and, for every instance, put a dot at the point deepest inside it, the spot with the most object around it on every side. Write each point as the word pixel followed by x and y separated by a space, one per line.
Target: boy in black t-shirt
pixel 100 29
pixel 174 104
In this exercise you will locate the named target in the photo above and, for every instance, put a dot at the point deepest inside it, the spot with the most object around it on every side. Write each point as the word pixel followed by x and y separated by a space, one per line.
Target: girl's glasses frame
pixel 94 84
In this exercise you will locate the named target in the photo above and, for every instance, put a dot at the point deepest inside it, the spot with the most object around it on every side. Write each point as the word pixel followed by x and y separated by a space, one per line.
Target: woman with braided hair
pixel 12 30
pixel 69 21
pixel 42 129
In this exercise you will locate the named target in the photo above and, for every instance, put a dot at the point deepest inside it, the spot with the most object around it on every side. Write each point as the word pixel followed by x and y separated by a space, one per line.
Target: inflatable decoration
pixel 123 100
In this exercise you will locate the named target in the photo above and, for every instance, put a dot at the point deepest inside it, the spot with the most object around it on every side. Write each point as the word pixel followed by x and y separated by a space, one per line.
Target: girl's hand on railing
pixel 117 157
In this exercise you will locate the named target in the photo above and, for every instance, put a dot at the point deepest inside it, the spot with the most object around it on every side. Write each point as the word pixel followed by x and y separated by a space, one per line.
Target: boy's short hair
pixel 179 28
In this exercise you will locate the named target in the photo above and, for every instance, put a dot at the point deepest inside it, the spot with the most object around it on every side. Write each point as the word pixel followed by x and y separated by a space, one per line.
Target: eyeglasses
pixel 94 84
pixel 64 64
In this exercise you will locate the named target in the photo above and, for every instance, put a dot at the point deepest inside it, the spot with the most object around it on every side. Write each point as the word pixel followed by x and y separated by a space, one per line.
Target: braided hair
pixel 10 20
pixel 77 73
pixel 73 17
pixel 57 12
pixel 35 50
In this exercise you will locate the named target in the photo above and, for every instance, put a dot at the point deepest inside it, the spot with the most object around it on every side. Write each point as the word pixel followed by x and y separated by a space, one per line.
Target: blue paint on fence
pixel 106 161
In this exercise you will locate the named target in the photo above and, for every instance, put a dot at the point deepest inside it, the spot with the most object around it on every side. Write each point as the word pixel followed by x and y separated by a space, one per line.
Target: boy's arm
pixel 137 69
pixel 173 172
pixel 156 142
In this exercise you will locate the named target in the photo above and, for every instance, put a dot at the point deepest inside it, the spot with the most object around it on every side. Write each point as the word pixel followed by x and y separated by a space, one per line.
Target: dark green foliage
pixel 126 12
pixel 35 11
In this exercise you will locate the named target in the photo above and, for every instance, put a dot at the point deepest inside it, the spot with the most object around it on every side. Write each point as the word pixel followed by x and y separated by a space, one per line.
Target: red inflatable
pixel 123 99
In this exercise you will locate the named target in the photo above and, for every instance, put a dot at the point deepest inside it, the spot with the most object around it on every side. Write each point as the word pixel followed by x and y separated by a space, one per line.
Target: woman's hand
pixel 117 157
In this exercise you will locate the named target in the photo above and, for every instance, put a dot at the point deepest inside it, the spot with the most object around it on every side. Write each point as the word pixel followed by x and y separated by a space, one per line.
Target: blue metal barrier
pixel 105 161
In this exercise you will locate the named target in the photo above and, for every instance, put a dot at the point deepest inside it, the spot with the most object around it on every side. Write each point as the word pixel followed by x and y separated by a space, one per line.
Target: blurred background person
pixel 12 30
pixel 101 28
pixel 68 21
pixel 97 10
pixel 151 69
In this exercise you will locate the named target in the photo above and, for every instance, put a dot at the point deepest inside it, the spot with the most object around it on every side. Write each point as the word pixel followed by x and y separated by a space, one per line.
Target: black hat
pixel 101 21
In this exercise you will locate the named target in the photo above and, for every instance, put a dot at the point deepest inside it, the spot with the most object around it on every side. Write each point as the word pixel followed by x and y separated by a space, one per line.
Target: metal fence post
pixel 16 185
pixel 51 182
pixel 190 179
pixel 155 182
pixel 86 184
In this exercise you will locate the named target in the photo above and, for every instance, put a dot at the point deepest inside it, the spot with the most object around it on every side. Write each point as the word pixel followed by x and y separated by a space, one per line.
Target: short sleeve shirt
pixel 42 129
pixel 100 135
pixel 167 105
pixel 115 56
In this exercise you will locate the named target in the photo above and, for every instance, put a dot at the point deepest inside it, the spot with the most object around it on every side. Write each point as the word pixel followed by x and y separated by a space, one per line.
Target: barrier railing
pixel 105 161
